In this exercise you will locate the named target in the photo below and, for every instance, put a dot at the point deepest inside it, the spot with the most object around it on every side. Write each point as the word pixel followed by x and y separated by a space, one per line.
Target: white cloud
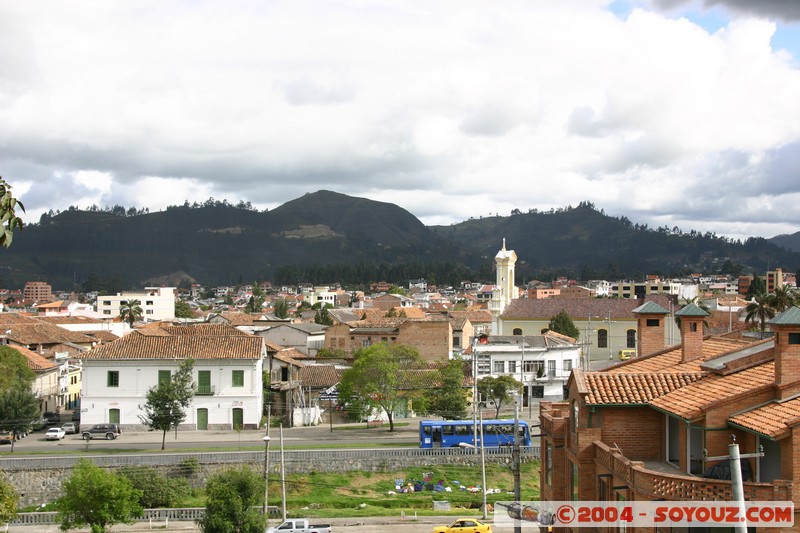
pixel 450 109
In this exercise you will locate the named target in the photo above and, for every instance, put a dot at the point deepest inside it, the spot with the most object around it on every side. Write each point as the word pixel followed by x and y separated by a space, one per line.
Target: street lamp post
pixel 266 478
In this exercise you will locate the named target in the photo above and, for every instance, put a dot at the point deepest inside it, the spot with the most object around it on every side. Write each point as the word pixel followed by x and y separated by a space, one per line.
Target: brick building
pixel 37 291
pixel 642 430
pixel 433 338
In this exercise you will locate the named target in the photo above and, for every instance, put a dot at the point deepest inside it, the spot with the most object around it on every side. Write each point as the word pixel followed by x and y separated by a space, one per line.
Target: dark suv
pixel 100 431
pixel 51 418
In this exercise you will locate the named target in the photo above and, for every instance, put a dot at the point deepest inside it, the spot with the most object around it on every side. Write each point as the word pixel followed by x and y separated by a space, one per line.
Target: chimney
pixel 651 317
pixel 692 317
pixel 787 351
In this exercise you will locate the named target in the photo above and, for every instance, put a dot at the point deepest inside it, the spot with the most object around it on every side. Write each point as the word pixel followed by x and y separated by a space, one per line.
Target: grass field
pixel 356 494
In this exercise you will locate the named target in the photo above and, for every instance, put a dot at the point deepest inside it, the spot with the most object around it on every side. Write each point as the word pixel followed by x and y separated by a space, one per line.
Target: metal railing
pixel 204 390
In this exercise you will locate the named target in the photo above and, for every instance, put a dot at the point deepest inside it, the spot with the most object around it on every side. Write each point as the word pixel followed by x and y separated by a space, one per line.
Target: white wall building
pixel 157 303
pixel 227 374
pixel 542 363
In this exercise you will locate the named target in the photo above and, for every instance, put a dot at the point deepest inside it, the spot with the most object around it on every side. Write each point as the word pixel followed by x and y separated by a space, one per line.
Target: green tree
pixel 130 311
pixel 14 370
pixel 782 298
pixel 331 353
pixel 168 401
pixel 234 500
pixel 182 310
pixel 562 323
pixel 759 310
pixel 96 498
pixel 383 377
pixel 281 308
pixel 449 400
pixel 18 408
pixel 323 317
pixel 157 489
pixel 757 286
pixel 9 221
pixel 9 499
pixel 498 390
pixel 394 289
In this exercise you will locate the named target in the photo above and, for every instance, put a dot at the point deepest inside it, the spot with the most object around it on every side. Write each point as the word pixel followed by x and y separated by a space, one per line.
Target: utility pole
pixel 475 390
pixel 283 479
pixel 266 469
pixel 515 452
pixel 483 470
pixel 737 486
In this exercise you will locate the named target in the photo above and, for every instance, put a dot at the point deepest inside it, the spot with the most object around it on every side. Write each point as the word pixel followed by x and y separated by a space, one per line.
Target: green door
pixel 202 418
pixel 113 416
pixel 238 418
pixel 204 383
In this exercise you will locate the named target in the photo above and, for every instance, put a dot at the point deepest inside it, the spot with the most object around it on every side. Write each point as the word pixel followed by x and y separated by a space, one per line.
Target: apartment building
pixel 157 303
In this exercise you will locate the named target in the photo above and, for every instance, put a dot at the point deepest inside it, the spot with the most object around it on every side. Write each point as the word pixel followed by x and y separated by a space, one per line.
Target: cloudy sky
pixel 671 112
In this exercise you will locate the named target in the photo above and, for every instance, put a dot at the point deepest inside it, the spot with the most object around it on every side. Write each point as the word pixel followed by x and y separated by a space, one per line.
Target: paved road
pixel 340 525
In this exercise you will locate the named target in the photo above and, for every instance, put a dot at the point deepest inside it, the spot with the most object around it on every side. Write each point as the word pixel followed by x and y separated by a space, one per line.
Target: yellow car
pixel 624 355
pixel 464 525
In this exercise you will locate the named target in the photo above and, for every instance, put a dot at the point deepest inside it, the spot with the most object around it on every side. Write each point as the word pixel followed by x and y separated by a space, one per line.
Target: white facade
pixel 504 290
pixel 102 401
pixel 157 303
pixel 542 363
pixel 321 295
pixel 227 374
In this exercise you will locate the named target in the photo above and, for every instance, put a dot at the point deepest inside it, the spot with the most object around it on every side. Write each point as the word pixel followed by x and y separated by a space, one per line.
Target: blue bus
pixel 452 433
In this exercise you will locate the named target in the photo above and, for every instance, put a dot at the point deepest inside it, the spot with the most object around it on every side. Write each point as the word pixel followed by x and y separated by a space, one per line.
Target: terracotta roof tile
pixel 204 330
pixel 142 346
pixel 36 362
pixel 669 360
pixel 690 401
pixel 545 309
pixel 605 388
pixel 773 420
pixel 42 333
pixel 319 376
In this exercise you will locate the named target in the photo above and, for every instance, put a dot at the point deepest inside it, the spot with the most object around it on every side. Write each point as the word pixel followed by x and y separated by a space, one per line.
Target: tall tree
pixel 281 308
pixel 9 221
pixel 96 498
pixel 168 401
pixel 449 399
pixel 323 317
pixel 757 286
pixel 759 310
pixel 14 369
pixel 562 323
pixel 18 408
pixel 233 501
pixel 498 390
pixel 383 377
pixel 130 311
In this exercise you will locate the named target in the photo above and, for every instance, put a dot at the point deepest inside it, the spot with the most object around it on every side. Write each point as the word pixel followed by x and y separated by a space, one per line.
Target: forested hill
pixel 324 237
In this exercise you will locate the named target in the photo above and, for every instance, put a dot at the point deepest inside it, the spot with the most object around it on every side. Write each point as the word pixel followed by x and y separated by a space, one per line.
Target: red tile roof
pixel 605 388
pixel 147 345
pixel 692 400
pixel 773 420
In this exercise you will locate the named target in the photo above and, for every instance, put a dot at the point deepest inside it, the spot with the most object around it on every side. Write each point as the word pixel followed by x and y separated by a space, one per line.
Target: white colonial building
pixel 157 303
pixel 542 363
pixel 227 376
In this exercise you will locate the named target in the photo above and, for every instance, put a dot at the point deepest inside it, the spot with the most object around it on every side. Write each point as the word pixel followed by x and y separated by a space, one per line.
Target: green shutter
pixel 238 378
pixel 164 377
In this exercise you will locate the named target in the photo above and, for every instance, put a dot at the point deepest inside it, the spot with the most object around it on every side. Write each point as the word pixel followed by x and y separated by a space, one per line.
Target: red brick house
pixel 642 430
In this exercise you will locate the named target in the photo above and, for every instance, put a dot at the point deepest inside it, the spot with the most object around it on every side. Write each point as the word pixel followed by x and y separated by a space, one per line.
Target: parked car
pixel 51 418
pixel 626 354
pixel 76 415
pixel 7 437
pixel 101 431
pixel 70 428
pixel 300 525
pixel 464 525
pixel 54 434
pixel 39 423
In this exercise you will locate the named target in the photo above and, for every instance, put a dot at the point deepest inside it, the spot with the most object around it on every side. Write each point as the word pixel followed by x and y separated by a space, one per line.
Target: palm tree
pixel 130 311
pixel 782 298
pixel 759 309
pixel 699 303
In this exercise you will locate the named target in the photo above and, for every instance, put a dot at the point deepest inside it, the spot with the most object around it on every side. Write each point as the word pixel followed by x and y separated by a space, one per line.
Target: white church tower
pixel 504 290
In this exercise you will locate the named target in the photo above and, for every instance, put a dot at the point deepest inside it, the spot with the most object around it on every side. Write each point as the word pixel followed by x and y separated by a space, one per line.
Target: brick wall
pixel 692 338
pixel 651 338
pixel 787 361
pixel 637 431
pixel 432 338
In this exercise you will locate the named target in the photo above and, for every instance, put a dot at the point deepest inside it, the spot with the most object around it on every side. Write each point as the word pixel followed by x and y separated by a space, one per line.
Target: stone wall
pixel 38 481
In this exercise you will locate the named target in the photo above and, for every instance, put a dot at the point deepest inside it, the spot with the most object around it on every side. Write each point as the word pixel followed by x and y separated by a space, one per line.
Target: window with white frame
pixel 499 367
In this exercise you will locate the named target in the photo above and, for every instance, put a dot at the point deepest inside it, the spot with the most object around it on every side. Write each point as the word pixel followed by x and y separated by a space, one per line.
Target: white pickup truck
pixel 300 525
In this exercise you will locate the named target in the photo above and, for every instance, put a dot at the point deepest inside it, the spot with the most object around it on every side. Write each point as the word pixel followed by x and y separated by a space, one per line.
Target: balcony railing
pixel 678 486
pixel 204 390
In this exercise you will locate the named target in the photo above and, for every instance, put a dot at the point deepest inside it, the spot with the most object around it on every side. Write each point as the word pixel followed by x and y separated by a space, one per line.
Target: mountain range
pixel 325 237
